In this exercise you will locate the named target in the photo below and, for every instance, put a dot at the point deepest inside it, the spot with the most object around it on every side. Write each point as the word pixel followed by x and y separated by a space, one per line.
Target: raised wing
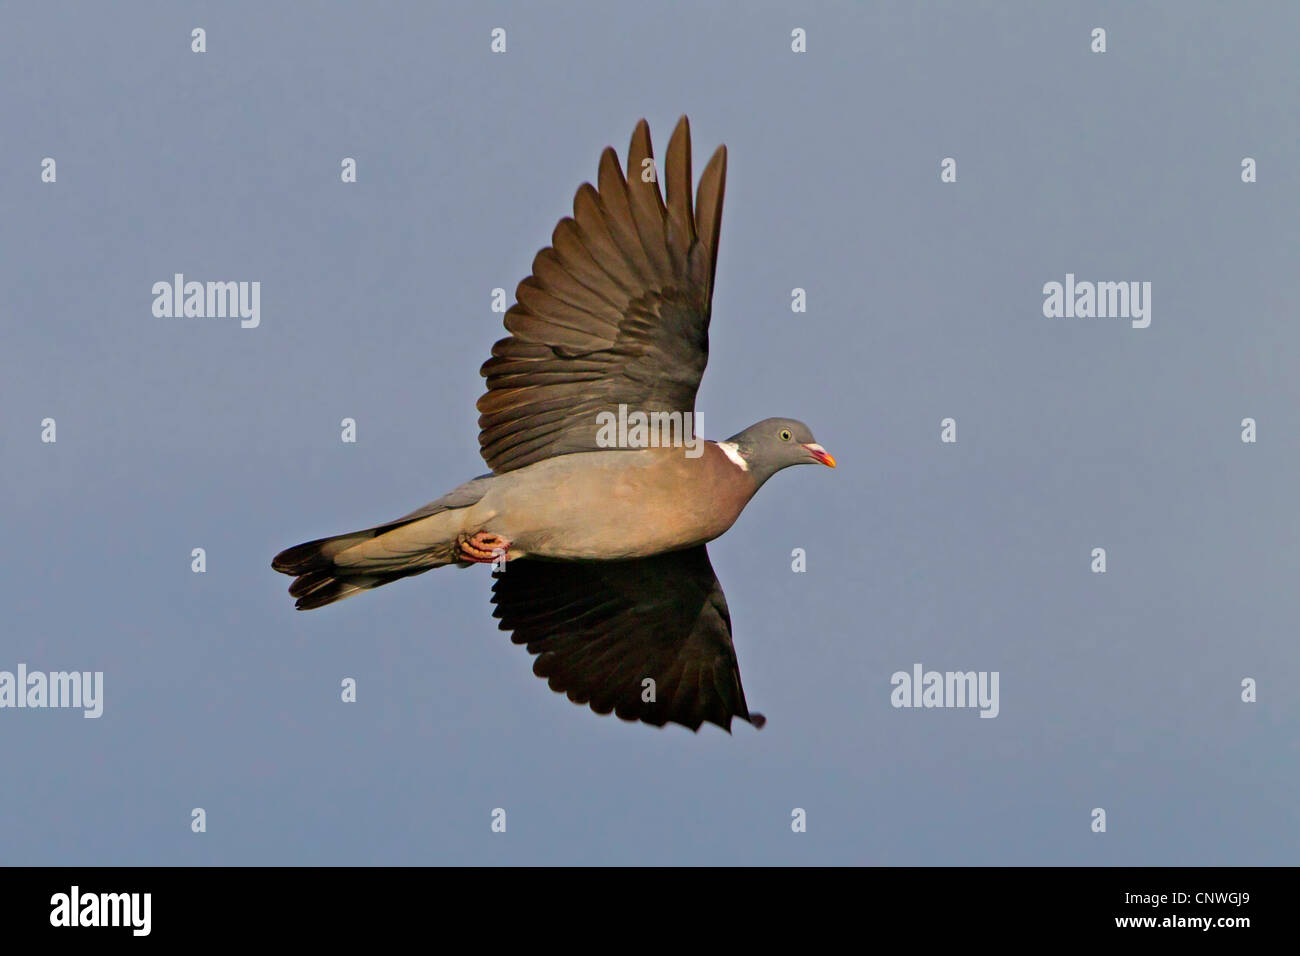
pixel 615 312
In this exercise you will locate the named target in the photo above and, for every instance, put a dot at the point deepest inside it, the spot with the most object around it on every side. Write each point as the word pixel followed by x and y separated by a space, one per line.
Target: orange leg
pixel 483 547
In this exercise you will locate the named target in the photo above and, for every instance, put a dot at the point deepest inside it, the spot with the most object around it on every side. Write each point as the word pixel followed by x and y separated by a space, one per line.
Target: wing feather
pixel 616 311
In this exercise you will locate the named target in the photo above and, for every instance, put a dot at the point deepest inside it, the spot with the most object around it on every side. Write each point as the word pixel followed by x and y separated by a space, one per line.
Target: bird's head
pixel 776 443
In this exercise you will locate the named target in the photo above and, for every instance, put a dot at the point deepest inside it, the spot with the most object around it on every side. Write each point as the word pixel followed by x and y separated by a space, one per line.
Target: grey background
pixel 1118 691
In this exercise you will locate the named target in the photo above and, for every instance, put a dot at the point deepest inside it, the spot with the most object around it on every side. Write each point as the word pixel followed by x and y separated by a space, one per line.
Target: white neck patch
pixel 732 451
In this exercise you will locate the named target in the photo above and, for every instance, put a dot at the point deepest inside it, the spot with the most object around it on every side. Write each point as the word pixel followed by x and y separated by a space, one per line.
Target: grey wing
pixel 615 312
pixel 602 629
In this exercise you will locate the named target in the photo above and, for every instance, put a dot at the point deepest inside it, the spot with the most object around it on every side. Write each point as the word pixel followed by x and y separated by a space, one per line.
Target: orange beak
pixel 821 454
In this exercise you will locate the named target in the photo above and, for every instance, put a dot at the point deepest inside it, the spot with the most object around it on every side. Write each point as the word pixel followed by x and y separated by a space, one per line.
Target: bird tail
pixel 330 569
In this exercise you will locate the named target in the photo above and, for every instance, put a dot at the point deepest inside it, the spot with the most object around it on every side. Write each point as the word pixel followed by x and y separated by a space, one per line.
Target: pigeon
pixel 597 533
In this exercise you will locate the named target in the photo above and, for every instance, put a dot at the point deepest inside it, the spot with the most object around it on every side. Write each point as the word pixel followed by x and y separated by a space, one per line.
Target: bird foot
pixel 483 547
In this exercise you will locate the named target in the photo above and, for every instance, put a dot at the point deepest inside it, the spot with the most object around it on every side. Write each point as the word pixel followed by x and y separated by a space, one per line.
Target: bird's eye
pixel 785 434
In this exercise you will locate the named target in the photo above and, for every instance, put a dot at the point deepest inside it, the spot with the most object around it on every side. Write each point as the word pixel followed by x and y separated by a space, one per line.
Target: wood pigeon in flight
pixel 598 534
